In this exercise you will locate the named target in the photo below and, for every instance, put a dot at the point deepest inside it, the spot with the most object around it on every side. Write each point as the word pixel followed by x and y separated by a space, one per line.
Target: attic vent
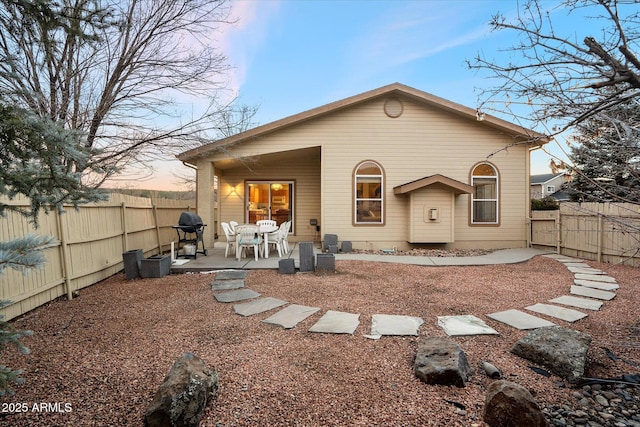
pixel 393 107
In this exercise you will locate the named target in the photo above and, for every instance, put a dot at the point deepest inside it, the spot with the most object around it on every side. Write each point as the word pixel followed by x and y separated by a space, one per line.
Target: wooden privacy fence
pixel 604 232
pixel 91 241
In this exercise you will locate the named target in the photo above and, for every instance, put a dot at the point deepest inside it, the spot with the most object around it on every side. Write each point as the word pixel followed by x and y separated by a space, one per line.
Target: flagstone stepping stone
pixel 390 324
pixel 578 302
pixel 291 315
pixel 578 270
pixel 562 258
pixel 336 322
pixel 519 319
pixel 258 306
pixel 227 284
pixel 592 293
pixel 577 265
pixel 597 285
pixel 230 274
pixel 596 277
pixel 236 295
pixel 465 325
pixel 561 313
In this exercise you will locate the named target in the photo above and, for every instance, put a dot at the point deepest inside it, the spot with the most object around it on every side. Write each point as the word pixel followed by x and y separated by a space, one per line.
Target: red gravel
pixel 105 353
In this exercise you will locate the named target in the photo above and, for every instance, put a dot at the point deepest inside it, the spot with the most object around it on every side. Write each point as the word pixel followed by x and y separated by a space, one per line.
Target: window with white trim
pixel 368 193
pixel 551 189
pixel 484 202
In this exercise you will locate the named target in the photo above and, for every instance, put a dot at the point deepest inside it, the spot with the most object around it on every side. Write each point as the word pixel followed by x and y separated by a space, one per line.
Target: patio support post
pixel 204 199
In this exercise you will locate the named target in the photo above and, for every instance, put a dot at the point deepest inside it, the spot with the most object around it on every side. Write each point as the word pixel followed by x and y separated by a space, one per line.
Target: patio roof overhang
pixel 455 186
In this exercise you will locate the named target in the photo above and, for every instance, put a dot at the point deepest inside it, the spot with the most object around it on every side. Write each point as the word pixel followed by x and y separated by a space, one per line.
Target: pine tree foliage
pixel 606 156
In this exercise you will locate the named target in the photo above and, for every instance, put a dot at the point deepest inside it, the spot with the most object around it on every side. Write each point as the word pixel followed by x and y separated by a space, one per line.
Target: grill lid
pixel 189 219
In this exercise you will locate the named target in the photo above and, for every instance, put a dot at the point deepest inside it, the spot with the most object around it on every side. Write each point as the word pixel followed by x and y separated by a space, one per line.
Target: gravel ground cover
pixel 98 359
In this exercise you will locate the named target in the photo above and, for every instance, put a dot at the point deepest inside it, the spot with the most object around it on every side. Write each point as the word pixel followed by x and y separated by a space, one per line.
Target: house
pixel 394 166
pixel 549 185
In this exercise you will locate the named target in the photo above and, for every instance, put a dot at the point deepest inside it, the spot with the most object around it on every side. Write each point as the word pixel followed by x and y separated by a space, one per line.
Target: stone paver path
pixel 258 306
pixel 566 314
pixel 465 325
pixel 237 295
pixel 392 324
pixel 519 319
pixel 336 322
pixel 291 315
pixel 591 287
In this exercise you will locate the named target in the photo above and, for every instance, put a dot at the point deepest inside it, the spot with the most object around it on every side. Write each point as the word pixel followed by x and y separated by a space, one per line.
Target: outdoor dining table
pixel 264 231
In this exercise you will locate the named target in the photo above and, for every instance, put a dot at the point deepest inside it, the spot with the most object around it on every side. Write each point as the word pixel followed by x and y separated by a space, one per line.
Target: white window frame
pixel 357 199
pixel 495 200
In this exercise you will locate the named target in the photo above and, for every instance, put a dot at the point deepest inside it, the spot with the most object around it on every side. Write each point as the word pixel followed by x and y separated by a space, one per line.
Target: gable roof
pixel 398 89
pixel 543 178
pixel 451 184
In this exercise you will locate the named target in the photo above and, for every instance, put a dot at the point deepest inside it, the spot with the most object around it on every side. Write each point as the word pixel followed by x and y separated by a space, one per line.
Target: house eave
pixel 451 184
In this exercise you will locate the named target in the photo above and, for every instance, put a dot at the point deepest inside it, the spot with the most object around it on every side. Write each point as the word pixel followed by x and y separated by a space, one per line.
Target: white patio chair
pixel 277 238
pixel 231 238
pixel 248 236
pixel 233 225
pixel 285 236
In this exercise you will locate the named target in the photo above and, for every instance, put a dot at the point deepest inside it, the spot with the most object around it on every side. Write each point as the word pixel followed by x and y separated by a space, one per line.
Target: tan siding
pixel 423 141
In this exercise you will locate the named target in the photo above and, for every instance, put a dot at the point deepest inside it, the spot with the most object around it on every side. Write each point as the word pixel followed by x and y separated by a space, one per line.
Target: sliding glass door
pixel 269 200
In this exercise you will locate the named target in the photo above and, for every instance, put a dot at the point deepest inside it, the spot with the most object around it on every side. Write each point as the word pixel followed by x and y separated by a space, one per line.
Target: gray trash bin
pixel 131 260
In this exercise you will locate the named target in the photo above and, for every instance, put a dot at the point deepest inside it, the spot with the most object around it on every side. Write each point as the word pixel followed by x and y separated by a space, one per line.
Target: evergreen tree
pixel 41 161
pixel 606 158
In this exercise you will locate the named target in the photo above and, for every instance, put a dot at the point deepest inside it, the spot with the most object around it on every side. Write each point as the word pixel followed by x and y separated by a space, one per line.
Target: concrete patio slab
pixel 258 306
pixel 465 325
pixel 592 293
pixel 519 319
pixel 566 314
pixel 336 322
pixel 231 274
pixel 237 295
pixel 596 277
pixel 577 270
pixel 225 285
pixel 571 301
pixel 390 324
pixel 291 315
pixel 605 286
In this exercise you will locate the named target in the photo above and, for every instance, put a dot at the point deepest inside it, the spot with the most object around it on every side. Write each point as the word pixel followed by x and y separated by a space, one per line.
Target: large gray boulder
pixel 508 404
pixel 562 351
pixel 183 395
pixel 440 360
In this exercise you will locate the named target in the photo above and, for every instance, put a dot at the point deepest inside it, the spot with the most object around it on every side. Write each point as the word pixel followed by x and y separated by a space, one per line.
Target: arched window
pixel 484 202
pixel 368 193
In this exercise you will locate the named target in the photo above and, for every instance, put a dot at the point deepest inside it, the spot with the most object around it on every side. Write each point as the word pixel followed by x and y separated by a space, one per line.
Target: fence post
pixel 600 219
pixel 155 220
pixel 125 241
pixel 66 269
pixel 558 221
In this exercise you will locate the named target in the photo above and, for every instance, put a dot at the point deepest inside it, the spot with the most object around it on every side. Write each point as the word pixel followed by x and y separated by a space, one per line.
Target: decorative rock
pixel 286 266
pixel 182 396
pixel 440 360
pixel 307 260
pixel 508 404
pixel 326 262
pixel 563 351
pixel 330 240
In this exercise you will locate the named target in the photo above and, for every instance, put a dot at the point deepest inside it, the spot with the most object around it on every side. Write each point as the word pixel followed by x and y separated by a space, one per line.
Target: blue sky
pixel 289 56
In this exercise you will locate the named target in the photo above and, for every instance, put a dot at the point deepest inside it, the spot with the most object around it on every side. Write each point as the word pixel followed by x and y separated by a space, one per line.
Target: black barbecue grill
pixel 190 230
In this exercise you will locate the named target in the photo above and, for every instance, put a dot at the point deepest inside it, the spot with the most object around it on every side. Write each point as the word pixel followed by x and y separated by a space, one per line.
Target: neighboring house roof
pixel 544 178
pixel 455 186
pixel 560 195
pixel 526 135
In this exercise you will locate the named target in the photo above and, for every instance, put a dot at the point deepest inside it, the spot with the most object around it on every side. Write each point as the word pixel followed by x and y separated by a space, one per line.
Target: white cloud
pixel 243 39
